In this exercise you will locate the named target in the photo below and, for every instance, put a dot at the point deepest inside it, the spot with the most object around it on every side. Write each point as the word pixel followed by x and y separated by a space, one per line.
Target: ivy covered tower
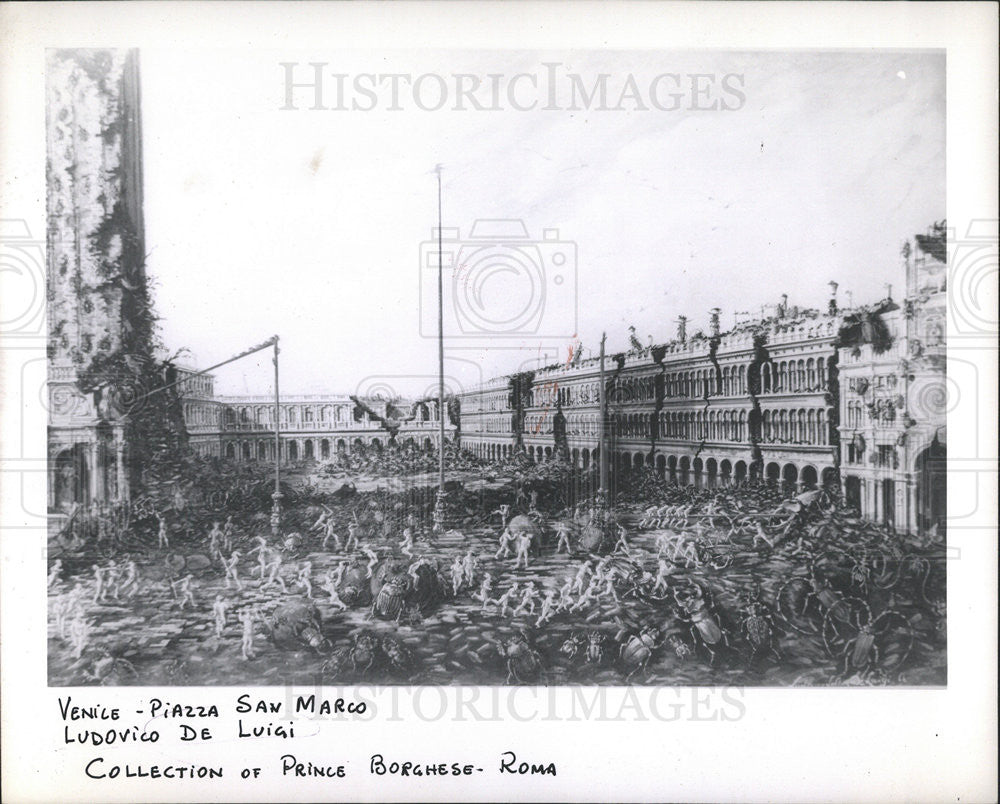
pixel 101 327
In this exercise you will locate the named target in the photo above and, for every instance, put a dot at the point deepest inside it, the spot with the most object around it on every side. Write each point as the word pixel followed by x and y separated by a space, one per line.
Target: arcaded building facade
pixel 893 430
pixel 851 398
pixel 312 427
pixel 705 410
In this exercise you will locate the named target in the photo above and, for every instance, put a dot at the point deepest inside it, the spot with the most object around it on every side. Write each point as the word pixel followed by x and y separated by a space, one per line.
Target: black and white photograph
pixel 694 434
pixel 549 369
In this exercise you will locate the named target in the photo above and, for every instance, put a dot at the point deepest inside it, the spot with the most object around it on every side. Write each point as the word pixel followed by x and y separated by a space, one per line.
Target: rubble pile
pixel 398 461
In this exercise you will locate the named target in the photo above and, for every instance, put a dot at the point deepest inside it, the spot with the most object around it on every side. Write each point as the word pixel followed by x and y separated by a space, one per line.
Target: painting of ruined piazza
pixel 751 498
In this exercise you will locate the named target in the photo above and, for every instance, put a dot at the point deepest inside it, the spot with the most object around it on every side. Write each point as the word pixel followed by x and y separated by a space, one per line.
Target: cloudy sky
pixel 314 224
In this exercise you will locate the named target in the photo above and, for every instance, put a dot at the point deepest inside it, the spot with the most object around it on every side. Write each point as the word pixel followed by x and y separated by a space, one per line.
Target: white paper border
pixel 822 745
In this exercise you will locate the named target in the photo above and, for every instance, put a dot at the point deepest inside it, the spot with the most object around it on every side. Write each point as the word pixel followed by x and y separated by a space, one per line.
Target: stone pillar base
pixel 442 513
pixel 276 514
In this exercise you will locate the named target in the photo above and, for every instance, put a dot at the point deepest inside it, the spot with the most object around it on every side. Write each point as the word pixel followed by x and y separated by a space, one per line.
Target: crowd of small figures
pixel 733 578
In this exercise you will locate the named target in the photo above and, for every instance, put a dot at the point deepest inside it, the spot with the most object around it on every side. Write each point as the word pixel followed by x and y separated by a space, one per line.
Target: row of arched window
pixel 551 394
pixel 793 376
pixel 198 414
pixel 291 414
pixel 492 451
pixel 632 425
pixel 804 426
pixel 583 424
pixel 723 425
pixel 263 415
pixel 706 382
pixel 794 426
pixel 538 424
pixel 495 424
pixel 782 376
pixel 309 448
pixel 777 426
pixel 633 389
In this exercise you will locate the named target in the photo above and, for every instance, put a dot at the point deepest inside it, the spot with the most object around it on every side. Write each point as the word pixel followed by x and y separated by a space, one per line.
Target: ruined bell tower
pixel 97 298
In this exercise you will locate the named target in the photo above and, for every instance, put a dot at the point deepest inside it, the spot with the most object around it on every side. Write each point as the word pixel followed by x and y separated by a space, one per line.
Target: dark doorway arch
pixel 684 470
pixel 740 472
pixel 932 488
pixel 828 477
pixel 852 492
pixel 808 477
pixel 712 468
pixel 72 478
pixel 789 478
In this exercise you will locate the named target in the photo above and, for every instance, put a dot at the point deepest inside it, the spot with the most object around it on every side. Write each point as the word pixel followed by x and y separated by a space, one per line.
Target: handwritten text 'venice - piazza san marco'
pixel 317 86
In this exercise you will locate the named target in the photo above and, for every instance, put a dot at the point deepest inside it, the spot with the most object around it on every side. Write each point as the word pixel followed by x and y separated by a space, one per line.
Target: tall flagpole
pixel 276 497
pixel 440 502
pixel 602 493
pixel 441 411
